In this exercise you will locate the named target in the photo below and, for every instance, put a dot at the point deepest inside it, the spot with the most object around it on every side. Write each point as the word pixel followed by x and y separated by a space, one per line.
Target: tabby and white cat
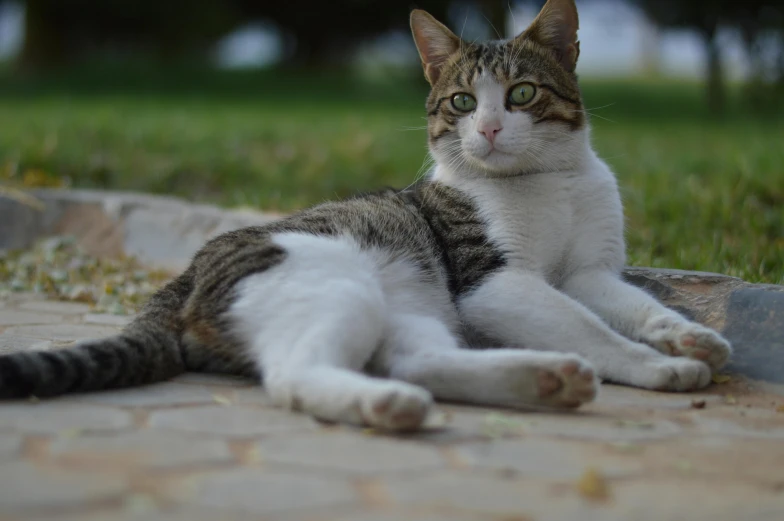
pixel 361 311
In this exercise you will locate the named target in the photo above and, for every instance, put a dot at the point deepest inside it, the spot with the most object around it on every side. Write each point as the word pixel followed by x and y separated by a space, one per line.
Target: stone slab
pixel 26 486
pixel 63 332
pixel 156 395
pixel 259 492
pixel 104 319
pixel 546 459
pixel 755 326
pixel 10 445
pixel 60 416
pixel 141 449
pixel 10 343
pixel 12 317
pixel 59 308
pixel 236 421
pixel 350 452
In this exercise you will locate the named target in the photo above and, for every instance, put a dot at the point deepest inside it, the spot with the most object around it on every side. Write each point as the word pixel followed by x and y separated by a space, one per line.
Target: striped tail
pixel 147 351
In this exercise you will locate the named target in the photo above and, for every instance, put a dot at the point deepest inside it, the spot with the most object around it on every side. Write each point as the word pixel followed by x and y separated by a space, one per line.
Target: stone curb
pixel 161 231
pixel 165 232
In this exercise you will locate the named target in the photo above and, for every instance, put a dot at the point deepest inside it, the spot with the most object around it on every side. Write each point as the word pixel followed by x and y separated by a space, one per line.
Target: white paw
pixel 549 380
pixel 398 407
pixel 677 337
pixel 674 374
pixel 568 382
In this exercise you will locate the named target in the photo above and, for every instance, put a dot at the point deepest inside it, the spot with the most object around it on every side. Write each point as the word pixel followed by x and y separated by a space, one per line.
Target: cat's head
pixel 505 107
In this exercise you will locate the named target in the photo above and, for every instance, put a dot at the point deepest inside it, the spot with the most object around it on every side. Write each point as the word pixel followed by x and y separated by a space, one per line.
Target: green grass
pixel 700 193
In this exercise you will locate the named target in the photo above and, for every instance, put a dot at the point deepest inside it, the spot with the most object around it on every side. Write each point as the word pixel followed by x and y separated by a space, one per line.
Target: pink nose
pixel 490 130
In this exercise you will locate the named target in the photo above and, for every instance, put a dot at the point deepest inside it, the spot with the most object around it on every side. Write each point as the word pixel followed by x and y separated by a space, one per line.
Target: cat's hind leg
pixel 422 351
pixel 312 324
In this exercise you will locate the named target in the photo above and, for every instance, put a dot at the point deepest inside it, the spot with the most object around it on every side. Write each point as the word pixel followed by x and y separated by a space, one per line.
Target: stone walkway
pixel 203 448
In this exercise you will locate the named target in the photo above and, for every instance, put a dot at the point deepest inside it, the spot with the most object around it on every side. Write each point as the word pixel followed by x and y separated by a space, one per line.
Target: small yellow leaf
pixel 221 399
pixel 253 455
pixel 729 399
pixel 780 408
pixel 683 465
pixel 592 485
pixel 721 378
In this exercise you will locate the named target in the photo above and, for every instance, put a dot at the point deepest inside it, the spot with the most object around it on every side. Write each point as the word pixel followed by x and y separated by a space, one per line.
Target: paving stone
pixel 616 396
pixel 27 486
pixel 695 500
pixel 59 415
pixel 232 421
pixel 255 395
pixel 476 423
pixel 492 496
pixel 585 427
pixel 13 343
pixel 155 395
pixel 729 428
pixel 53 306
pixel 259 492
pixel 547 460
pixel 417 516
pixel 63 332
pixel 12 317
pixel 108 320
pixel 141 449
pixel 350 452
pixel 10 445
pixel 142 508
pixel 214 379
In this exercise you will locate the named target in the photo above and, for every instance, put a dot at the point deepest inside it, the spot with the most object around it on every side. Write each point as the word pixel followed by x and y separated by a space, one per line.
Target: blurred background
pixel 279 105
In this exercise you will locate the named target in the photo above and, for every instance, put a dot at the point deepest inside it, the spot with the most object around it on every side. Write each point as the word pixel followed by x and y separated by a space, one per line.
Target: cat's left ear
pixel 556 28
pixel 434 41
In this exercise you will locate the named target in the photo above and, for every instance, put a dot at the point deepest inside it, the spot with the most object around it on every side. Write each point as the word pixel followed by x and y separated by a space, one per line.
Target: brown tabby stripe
pixel 147 351
pixel 185 325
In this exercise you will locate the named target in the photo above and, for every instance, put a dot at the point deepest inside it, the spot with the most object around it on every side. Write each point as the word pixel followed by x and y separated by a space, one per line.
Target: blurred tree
pixel 752 17
pixel 323 31
pixel 59 31
pixel 704 16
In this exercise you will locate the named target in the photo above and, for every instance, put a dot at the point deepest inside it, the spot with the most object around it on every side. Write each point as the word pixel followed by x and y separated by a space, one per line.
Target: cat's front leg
pixel 520 308
pixel 638 316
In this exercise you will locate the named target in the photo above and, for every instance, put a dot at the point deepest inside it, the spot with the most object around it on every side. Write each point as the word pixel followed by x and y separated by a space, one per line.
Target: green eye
pixel 464 102
pixel 522 93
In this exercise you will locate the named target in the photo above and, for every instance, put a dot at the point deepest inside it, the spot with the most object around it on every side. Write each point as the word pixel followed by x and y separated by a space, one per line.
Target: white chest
pixel 552 223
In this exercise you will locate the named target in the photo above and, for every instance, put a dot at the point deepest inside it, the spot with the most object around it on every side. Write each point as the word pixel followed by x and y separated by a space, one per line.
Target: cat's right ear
pixel 434 41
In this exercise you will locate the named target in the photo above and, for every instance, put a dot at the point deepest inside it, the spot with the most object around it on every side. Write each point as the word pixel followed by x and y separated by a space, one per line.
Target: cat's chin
pixel 497 164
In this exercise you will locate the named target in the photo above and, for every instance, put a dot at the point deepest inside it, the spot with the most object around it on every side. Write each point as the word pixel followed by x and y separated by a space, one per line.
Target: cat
pixel 364 310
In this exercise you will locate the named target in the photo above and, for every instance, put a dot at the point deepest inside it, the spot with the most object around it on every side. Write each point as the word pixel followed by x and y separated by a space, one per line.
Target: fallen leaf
pixel 253 455
pixel 729 399
pixel 221 399
pixel 592 485
pixel 721 378
pixel 499 425
pixel 627 447
pixel 139 504
pixel 780 408
pixel 698 404
pixel 437 420
pixel 683 465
